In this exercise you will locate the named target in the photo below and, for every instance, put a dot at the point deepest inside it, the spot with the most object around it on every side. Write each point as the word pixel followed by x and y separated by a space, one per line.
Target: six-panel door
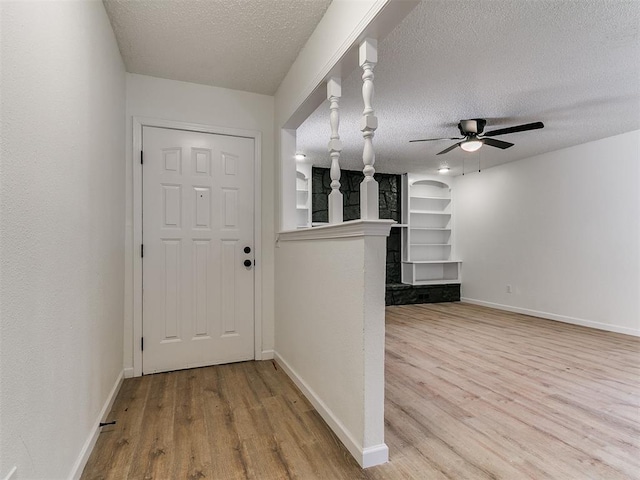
pixel 198 295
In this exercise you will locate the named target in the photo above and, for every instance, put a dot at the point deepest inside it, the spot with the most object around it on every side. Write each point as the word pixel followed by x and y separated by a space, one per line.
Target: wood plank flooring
pixel 471 393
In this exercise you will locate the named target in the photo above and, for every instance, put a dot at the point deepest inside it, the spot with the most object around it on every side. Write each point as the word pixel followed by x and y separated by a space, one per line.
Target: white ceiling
pixel 574 65
pixel 240 44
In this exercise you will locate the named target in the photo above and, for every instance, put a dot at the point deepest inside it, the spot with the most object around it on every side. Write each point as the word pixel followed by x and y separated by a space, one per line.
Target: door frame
pixel 138 124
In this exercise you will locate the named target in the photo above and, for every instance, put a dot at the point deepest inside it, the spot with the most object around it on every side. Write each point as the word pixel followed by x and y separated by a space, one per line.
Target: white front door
pixel 197 227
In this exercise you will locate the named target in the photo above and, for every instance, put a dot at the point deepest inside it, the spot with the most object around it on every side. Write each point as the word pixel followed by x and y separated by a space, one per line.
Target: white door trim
pixel 138 123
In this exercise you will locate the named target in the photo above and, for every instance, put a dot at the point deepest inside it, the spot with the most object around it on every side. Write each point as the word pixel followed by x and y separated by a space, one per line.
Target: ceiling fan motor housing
pixel 474 126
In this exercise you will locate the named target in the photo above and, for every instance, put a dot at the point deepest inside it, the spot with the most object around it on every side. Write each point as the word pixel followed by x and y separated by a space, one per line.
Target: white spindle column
pixel 369 123
pixel 334 92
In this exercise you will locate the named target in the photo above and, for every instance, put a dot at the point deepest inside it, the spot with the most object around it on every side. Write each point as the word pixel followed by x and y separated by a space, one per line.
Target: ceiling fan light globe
pixel 443 169
pixel 471 145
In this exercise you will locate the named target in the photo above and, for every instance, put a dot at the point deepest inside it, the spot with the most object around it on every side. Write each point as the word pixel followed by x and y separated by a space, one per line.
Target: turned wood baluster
pixel 369 123
pixel 334 92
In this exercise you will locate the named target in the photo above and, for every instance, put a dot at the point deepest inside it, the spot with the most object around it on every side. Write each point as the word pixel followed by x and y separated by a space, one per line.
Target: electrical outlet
pixel 509 289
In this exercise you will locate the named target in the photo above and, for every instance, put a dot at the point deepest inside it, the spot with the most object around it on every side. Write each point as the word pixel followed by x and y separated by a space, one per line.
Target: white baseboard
pixel 372 456
pixel 553 316
pixel 128 372
pixel 267 354
pixel 367 457
pixel 11 473
pixel 80 463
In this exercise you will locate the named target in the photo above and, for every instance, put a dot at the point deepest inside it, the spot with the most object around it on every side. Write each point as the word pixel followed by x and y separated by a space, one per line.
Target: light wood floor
pixel 471 393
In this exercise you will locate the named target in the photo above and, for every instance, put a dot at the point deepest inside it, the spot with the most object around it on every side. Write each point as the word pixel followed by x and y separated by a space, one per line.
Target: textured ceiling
pixel 240 44
pixel 574 65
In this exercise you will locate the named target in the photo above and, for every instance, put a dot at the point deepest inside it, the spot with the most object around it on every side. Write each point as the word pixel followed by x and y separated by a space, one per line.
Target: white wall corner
pixel 375 451
pixel 346 437
pixel 366 457
pixel 311 360
pixel 128 372
pixel 376 455
pixel 85 453
pixel 267 355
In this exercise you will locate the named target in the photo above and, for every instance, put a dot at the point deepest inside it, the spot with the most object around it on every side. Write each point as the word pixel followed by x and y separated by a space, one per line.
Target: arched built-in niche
pixel 427 238
pixel 303 195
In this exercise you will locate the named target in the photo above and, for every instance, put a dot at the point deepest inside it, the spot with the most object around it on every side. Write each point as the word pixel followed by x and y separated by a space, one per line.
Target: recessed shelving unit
pixel 303 195
pixel 427 251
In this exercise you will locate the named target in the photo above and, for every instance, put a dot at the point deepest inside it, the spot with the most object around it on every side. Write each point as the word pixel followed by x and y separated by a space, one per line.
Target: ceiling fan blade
pixel 433 139
pixel 447 150
pixel 492 142
pixel 517 128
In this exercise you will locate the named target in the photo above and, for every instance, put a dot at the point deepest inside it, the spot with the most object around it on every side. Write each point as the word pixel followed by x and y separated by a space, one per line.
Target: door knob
pixel 247 249
pixel 247 263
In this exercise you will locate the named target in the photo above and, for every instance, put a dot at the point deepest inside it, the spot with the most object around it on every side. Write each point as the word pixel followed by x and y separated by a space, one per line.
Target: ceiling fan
pixel 473 137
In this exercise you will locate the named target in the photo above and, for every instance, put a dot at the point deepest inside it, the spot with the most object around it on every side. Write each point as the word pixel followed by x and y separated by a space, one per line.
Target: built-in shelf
pixel 426 212
pixel 302 217
pixel 418 262
pixel 439 281
pixel 427 253
pixel 442 199
pixel 429 228
pixel 430 244
pixel 303 196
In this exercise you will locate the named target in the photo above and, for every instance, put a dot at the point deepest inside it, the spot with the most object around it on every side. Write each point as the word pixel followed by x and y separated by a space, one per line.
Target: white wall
pixel 329 317
pixel 62 231
pixel 201 104
pixel 320 329
pixel 340 26
pixel 562 229
pixel 330 311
